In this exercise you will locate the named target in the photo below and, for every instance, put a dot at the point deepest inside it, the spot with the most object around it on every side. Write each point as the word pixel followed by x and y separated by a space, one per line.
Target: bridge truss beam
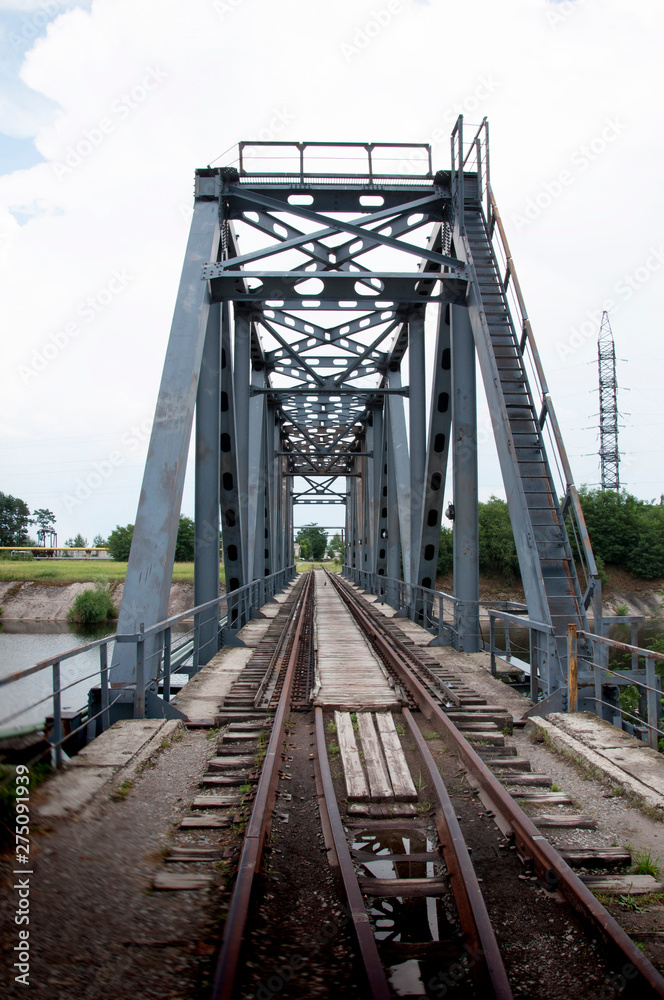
pixel 306 355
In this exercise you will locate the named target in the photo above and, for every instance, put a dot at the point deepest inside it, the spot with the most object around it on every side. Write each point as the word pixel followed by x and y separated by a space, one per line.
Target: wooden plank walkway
pixel 379 770
pixel 349 675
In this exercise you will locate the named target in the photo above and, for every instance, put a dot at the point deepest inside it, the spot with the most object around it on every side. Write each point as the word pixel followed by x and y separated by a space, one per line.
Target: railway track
pixel 424 923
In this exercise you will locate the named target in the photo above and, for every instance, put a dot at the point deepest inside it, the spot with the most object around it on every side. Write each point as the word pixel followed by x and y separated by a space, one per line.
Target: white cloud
pixel 222 72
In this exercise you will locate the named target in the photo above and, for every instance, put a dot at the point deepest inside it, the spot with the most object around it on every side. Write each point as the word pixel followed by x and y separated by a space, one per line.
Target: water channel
pixel 24 643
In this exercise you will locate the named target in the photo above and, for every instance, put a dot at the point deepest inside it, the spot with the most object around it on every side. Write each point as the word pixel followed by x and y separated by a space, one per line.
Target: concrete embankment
pixel 50 601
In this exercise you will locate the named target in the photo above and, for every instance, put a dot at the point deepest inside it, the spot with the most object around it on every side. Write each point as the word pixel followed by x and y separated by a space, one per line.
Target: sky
pixel 108 106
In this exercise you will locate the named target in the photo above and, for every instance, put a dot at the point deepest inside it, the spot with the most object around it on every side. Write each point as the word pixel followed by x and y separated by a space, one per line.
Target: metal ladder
pixel 506 381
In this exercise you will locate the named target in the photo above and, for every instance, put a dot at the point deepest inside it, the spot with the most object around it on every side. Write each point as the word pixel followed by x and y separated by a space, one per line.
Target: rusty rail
pixel 640 977
pixel 379 989
pixel 260 823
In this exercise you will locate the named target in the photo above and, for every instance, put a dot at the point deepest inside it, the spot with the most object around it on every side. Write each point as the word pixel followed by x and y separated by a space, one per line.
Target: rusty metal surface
pixel 643 981
pixel 376 980
pixel 487 969
pixel 258 828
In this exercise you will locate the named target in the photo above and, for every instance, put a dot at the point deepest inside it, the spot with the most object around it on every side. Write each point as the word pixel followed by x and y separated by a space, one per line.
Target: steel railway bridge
pixel 311 305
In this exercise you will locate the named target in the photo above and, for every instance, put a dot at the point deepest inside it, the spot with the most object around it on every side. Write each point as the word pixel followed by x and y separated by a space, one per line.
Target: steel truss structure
pixel 608 407
pixel 312 304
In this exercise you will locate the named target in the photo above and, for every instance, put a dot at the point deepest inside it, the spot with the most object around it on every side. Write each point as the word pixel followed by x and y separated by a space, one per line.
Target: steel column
pixel 417 435
pixel 148 580
pixel 437 452
pixel 400 460
pixel 256 483
pixel 230 478
pixel 241 387
pixel 466 530
pixel 207 486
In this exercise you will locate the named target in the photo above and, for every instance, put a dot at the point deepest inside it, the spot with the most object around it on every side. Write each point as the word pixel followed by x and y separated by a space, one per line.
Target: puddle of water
pixel 406 979
pixel 407 920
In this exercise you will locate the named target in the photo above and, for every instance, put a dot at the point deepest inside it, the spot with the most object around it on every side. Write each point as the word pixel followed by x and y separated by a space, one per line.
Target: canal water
pixel 22 644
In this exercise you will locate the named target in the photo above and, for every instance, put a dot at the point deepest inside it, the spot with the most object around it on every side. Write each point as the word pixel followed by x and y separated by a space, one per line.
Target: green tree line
pixel 119 541
pixel 625 532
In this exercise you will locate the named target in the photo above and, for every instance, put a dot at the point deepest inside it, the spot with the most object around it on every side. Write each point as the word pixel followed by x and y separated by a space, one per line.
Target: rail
pixel 258 828
pixel 646 718
pixel 472 157
pixel 549 866
pixel 171 650
pixel 433 609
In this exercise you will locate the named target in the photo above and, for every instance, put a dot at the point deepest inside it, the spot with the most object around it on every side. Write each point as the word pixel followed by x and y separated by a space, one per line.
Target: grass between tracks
pixel 333 565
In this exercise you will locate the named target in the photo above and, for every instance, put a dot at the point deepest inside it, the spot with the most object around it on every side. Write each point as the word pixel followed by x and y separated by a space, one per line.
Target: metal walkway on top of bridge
pixel 306 295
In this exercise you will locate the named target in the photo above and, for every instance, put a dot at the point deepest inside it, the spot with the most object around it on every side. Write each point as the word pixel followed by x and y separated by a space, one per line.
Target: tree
pixel 99 542
pixel 14 520
pixel 78 542
pixel 317 539
pixel 45 518
pixel 612 521
pixel 445 551
pixel 184 546
pixel 624 531
pixel 119 542
pixel 496 542
pixel 335 547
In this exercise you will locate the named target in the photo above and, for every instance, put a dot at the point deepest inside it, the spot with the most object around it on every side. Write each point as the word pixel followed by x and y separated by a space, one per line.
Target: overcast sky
pixel 108 106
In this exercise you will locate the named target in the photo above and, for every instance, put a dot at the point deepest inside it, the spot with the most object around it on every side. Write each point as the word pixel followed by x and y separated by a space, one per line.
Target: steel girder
pixel 149 570
pixel 302 336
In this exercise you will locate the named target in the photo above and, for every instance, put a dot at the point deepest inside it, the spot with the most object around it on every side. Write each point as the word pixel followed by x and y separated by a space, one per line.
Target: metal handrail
pixel 242 600
pixel 649 685
pixel 301 173
pixel 479 145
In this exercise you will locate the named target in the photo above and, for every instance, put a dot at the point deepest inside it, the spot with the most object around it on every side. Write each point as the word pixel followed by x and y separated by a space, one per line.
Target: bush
pixel 93 605
pixel 21 557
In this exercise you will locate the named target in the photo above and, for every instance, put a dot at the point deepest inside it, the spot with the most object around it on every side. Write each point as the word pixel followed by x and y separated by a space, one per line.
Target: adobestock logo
pixel 624 289
pixel 580 160
pixel 102 471
pixel 120 110
pixel 59 340
pixel 365 34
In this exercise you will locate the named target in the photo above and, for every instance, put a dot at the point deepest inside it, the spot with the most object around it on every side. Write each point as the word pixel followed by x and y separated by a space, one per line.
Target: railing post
pixel 634 640
pixel 535 663
pixel 167 663
pixel 492 643
pixel 599 708
pixel 572 667
pixel 197 642
pixel 56 732
pixel 652 701
pixel 103 687
pixel 139 694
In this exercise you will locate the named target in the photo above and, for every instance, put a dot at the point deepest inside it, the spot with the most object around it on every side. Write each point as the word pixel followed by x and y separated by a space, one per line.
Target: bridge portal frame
pixel 291 382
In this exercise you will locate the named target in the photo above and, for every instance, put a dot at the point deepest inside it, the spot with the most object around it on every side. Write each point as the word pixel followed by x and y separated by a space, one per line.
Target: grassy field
pixel 334 567
pixel 81 570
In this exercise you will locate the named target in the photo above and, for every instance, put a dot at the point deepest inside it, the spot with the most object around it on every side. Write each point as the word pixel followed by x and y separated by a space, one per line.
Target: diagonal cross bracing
pixel 339 303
